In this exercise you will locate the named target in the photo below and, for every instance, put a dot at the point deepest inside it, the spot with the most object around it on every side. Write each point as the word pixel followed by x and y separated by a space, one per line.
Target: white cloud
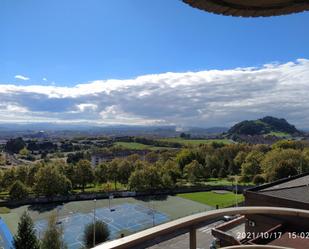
pixel 86 106
pixel 21 77
pixel 44 79
pixel 204 98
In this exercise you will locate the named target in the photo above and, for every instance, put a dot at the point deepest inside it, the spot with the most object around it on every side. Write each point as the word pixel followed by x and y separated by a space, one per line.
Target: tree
pixel 75 157
pixel 170 167
pixel 276 157
pixel 24 152
pixel 152 157
pixel 52 238
pixel 240 159
pixel 18 191
pixel 193 171
pixel 101 173
pixel 284 169
pixel 25 237
pixel 1 179
pixel 15 145
pixel 183 158
pixel 258 179
pixel 125 169
pixel 101 233
pixel 8 177
pixel 251 166
pixel 147 178
pixel 84 173
pixel 113 173
pixel 2 159
pixel 50 182
pixel 21 174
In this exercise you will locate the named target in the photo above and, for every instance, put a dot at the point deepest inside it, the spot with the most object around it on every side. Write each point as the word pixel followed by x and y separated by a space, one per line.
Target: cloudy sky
pixel 141 62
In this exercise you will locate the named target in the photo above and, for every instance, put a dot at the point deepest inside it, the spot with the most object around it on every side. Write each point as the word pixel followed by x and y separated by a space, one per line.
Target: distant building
pixel 286 231
pixel 98 158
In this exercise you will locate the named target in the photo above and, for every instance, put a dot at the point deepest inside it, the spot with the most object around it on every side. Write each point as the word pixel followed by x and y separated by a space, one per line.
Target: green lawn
pixel 4 210
pixel 212 199
pixel 139 146
pixel 195 141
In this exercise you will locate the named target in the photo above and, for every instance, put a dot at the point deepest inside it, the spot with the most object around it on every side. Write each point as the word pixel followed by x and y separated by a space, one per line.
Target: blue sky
pixel 65 43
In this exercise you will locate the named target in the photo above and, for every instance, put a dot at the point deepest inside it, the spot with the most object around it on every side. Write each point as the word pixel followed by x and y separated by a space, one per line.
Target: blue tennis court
pixel 125 217
pixel 6 238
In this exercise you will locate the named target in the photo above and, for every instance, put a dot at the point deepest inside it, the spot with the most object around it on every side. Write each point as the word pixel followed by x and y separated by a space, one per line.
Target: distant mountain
pixel 267 125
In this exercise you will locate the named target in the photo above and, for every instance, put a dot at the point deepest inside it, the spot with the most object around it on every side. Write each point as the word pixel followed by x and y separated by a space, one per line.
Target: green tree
pixel 258 179
pixel 84 173
pixel 50 182
pixel 101 173
pixel 15 145
pixel 52 238
pixel 21 174
pixel 193 171
pixel 125 169
pixel 240 159
pixel 147 178
pixel 183 158
pixel 9 177
pixel 152 157
pixel 2 159
pixel 101 233
pixel 24 152
pixel 276 157
pixel 284 169
pixel 171 168
pixel 252 164
pixel 18 191
pixel 113 173
pixel 25 237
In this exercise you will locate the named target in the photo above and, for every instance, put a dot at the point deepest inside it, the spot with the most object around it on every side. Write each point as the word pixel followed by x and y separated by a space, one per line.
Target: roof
pixel 294 188
pixel 250 8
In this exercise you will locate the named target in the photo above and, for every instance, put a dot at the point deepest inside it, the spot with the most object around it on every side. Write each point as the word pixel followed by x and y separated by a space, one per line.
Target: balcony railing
pixel 190 223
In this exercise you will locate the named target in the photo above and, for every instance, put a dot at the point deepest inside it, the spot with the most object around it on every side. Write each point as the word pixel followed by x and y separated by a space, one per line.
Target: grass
pixel 195 141
pixel 139 146
pixel 4 210
pixel 213 199
pixel 279 134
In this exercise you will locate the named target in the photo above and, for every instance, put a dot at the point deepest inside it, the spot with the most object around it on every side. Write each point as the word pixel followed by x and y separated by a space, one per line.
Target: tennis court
pixel 6 238
pixel 125 217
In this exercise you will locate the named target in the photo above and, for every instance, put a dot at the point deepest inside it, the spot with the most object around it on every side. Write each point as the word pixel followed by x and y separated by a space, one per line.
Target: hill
pixel 267 125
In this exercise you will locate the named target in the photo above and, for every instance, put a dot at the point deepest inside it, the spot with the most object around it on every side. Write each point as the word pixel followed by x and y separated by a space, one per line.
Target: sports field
pixel 214 198
pixel 130 215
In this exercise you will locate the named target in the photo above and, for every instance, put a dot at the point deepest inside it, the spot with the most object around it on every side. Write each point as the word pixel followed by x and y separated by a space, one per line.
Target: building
pixel 98 158
pixel 277 230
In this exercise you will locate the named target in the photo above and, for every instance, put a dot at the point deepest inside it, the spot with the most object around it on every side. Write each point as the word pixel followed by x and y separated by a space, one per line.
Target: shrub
pixel 18 191
pixel 258 179
pixel 101 233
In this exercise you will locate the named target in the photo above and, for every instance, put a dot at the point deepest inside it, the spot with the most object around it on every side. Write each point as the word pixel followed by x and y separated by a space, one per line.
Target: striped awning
pixel 250 8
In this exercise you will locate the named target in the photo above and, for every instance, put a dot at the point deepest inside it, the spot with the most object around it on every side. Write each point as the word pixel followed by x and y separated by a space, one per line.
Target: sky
pixel 149 63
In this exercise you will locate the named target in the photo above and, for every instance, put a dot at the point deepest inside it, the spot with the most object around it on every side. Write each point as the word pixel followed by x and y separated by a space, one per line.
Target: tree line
pixel 165 170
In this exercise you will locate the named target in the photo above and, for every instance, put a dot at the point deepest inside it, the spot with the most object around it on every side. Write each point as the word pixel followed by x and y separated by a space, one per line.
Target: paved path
pixel 204 239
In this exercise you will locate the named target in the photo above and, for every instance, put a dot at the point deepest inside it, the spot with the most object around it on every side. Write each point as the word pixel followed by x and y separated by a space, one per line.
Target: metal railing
pixel 192 222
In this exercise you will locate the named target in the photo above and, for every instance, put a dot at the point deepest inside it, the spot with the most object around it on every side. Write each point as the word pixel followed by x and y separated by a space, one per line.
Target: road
pixel 204 238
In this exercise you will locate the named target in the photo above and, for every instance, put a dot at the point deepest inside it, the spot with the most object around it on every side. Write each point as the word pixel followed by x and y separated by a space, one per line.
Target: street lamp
pixel 94 221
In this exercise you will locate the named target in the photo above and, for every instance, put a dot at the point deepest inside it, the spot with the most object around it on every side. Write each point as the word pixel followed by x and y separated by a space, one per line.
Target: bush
pixel 18 191
pixel 245 179
pixel 101 233
pixel 258 179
